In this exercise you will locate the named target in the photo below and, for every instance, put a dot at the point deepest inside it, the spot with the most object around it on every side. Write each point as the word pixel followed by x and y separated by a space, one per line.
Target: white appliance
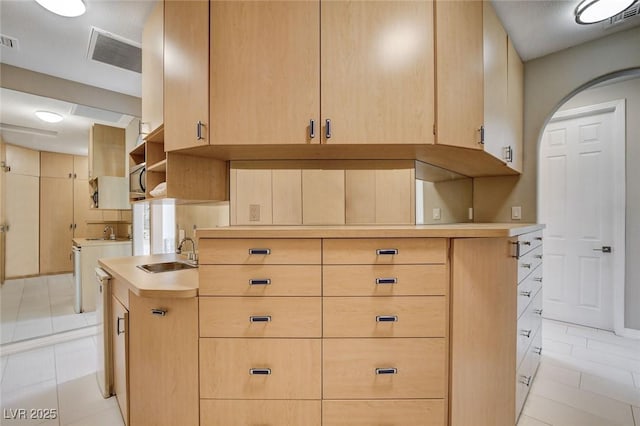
pixel 104 370
pixel 77 279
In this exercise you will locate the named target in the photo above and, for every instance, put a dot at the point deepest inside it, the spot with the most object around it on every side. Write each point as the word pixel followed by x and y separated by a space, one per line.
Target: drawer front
pixel 385 280
pixel 392 413
pixel 528 325
pixel 260 280
pixel 384 368
pixel 528 289
pixel 259 251
pixel 528 242
pixel 260 316
pixel 259 412
pixel 415 316
pixel 372 251
pixel 529 262
pixel 260 368
pixel 527 371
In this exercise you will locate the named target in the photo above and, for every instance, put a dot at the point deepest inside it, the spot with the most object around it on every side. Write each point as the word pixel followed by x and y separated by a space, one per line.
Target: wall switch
pixel 436 213
pixel 254 212
pixel 516 212
pixel 470 213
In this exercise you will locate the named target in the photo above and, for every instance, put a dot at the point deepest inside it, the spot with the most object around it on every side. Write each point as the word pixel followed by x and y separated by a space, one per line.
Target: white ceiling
pixel 58 46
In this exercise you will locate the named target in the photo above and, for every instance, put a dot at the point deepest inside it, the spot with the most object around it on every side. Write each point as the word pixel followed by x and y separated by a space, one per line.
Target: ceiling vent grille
pixel 10 42
pixel 624 16
pixel 114 50
pixel 96 113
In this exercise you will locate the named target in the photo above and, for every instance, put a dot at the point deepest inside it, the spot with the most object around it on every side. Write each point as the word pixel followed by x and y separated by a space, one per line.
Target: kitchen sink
pixel 165 267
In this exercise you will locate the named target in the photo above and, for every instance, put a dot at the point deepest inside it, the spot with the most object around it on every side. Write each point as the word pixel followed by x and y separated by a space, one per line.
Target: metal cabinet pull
pixel 327 128
pixel 391 252
pixel 199 126
pixel 526 265
pixel 118 332
pixel 260 251
pixel 525 380
pixel 260 371
pixel 262 281
pixel 386 280
pixel 481 130
pixel 260 318
pixel 517 246
pixel 537 279
pixel 538 256
pixel 537 350
pixel 159 312
pixel 525 293
pixel 386 318
pixel 312 129
pixel 507 154
pixel 538 238
pixel 386 371
pixel 525 333
pixel 537 312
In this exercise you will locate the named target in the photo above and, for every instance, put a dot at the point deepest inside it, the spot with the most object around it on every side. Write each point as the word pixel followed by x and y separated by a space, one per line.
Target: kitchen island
pixel 335 325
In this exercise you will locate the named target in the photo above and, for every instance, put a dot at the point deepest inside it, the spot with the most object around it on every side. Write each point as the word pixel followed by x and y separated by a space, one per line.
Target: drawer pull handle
pixel 525 243
pixel 526 265
pixel 525 293
pixel 118 330
pixel 538 256
pixel 386 371
pixel 538 238
pixel 159 312
pixel 525 333
pixel 537 279
pixel 537 350
pixel 260 371
pixel 260 318
pixel 263 281
pixel 525 380
pixel 386 280
pixel 260 251
pixel 537 312
pixel 387 318
pixel 388 252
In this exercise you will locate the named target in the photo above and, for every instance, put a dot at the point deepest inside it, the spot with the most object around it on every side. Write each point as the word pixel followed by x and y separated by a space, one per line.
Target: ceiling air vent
pixel 10 42
pixel 623 17
pixel 114 50
pixel 96 113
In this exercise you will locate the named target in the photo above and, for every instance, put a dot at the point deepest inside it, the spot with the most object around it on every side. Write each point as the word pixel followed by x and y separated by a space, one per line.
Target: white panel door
pixel 576 203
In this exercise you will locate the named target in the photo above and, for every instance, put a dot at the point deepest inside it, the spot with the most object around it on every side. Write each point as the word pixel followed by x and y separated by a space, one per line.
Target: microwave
pixel 137 181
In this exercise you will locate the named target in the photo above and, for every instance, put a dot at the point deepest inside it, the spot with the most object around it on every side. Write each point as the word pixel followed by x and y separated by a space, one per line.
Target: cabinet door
pixel 106 151
pixel 152 56
pixel 55 165
pixel 82 211
pixel 495 82
pixel 265 72
pixel 186 74
pixel 80 167
pixel 515 106
pixel 459 73
pixel 120 335
pixel 56 224
pixel 22 236
pixel 377 72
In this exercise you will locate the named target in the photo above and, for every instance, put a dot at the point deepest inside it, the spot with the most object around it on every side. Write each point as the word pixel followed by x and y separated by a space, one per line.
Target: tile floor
pixel 587 377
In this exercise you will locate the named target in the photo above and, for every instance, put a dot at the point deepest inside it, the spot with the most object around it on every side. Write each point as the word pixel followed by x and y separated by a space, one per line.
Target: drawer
pixel 260 316
pixel 260 368
pixel 403 316
pixel 384 368
pixel 260 280
pixel 385 280
pixel 528 325
pixel 391 413
pixel 371 251
pixel 259 251
pixel 527 371
pixel 528 242
pixel 529 262
pixel 259 412
pixel 528 289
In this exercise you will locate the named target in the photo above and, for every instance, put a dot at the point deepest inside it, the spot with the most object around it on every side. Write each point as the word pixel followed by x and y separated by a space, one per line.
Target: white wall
pixel 629 90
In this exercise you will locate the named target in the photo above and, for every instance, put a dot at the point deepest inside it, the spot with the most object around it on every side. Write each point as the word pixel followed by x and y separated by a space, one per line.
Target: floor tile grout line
pixel 568 406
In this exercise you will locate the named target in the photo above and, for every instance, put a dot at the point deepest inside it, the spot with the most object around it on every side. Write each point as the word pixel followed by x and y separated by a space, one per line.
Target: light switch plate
pixel 516 212
pixel 254 212
pixel 436 213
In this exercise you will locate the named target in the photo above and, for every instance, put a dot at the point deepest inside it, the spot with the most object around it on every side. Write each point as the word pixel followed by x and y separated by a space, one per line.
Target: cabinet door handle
pixel 260 318
pixel 537 279
pixel 118 332
pixel 526 265
pixel 386 371
pixel 386 252
pixel 481 130
pixel 327 128
pixel 525 243
pixel 537 312
pixel 312 129
pixel 538 256
pixel 525 333
pixel 260 251
pixel 260 371
pixel 199 126
pixel 537 350
pixel 525 293
pixel 70 175
pixel 386 318
pixel 263 281
pixel 386 280
pixel 71 226
pixel 538 238
pixel 525 380
pixel 159 312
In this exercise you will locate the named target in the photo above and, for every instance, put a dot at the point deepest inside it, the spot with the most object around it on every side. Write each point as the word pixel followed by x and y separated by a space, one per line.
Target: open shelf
pixel 160 166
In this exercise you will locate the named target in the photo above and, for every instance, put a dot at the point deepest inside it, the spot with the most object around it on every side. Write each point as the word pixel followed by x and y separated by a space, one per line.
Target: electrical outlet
pixel 516 212
pixel 254 212
pixel 436 213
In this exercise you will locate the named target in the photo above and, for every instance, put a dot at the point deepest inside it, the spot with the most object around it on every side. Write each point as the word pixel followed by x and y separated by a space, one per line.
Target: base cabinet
pixel 120 345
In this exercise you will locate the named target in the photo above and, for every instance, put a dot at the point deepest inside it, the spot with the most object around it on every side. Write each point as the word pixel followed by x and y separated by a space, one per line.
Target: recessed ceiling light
pixel 592 11
pixel 48 116
pixel 68 8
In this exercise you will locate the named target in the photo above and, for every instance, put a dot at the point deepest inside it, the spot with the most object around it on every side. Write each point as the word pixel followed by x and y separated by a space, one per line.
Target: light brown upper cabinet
pixel 459 73
pixel 515 106
pixel 106 151
pixel 186 74
pixel 152 73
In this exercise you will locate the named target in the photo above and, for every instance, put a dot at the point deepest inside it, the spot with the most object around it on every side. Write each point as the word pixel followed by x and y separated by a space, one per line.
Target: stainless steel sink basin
pixel 154 268
pixel 95 239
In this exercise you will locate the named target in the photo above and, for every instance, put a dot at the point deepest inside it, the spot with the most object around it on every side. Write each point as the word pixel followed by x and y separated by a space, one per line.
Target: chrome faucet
pixel 112 236
pixel 192 256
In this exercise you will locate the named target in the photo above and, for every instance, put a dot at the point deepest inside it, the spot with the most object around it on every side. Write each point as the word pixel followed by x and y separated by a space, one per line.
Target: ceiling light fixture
pixel 48 116
pixel 68 8
pixel 592 11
